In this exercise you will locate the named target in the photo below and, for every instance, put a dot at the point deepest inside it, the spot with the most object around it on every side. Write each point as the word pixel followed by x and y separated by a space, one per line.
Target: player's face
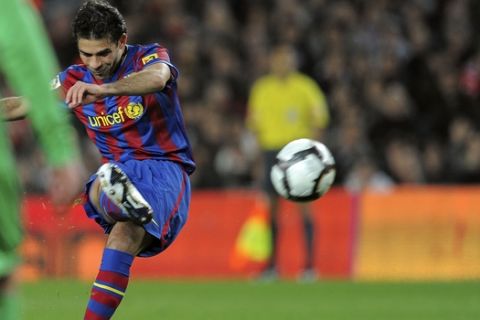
pixel 101 56
pixel 282 61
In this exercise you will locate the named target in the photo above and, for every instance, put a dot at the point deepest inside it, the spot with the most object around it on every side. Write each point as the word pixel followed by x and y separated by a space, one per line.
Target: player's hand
pixel 83 93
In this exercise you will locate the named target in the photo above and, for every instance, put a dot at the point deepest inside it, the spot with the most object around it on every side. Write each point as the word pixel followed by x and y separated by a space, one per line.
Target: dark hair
pixel 98 19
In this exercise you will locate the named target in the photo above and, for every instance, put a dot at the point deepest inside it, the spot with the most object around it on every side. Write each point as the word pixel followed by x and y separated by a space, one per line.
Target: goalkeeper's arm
pixel 13 108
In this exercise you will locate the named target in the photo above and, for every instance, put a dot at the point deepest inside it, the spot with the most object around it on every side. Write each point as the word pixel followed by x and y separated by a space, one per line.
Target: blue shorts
pixel 166 187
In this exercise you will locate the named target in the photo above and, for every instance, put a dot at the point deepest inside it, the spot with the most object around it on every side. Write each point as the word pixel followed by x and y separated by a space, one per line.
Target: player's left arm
pixel 149 80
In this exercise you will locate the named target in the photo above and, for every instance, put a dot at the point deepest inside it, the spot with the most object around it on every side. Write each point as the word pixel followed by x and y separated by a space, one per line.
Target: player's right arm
pixel 17 108
pixel 13 108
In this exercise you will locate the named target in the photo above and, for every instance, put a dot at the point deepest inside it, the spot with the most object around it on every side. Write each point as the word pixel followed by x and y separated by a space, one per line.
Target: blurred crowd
pixel 402 78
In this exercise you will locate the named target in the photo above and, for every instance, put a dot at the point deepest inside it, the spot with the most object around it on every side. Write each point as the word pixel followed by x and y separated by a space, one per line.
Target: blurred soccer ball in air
pixel 304 170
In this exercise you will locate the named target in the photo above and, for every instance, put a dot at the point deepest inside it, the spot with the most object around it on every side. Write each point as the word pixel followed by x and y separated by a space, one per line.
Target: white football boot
pixel 120 190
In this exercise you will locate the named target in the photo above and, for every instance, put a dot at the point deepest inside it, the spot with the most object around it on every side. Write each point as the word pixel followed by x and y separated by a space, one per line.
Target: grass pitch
pixel 237 300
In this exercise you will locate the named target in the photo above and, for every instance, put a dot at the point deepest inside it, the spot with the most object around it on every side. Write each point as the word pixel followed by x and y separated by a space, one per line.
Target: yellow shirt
pixel 281 110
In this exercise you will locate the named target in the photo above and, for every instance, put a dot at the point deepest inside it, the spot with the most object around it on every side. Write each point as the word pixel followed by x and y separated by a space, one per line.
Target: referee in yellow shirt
pixel 285 105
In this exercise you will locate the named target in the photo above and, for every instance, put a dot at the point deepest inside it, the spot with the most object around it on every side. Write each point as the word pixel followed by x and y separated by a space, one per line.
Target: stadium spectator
pixel 28 62
pixel 285 105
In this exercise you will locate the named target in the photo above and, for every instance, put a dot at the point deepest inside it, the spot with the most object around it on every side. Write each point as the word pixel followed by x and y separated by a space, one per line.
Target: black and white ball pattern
pixel 305 170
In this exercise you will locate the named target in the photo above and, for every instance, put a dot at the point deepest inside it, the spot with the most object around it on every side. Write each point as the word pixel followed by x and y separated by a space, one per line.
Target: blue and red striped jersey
pixel 135 127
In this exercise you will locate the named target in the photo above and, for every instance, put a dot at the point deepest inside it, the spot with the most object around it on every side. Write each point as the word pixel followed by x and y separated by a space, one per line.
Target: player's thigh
pixel 94 193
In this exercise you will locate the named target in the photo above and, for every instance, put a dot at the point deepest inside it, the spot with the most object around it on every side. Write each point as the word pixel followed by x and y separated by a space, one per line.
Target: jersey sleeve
pixel 156 54
pixel 61 83
pixel 67 78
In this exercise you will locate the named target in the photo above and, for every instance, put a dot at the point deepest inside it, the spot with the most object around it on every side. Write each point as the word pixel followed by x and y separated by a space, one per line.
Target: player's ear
pixel 122 41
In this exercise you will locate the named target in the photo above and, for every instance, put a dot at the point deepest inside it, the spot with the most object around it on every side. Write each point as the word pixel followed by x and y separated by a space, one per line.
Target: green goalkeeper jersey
pixel 28 64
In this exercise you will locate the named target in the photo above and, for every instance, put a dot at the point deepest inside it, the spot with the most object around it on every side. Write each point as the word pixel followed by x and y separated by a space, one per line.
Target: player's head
pixel 101 35
pixel 283 60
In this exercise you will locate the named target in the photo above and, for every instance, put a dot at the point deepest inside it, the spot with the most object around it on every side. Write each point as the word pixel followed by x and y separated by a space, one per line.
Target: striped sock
pixel 110 285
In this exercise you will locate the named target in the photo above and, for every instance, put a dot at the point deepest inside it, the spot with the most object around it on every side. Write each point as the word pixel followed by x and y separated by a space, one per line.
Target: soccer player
pixel 28 63
pixel 126 97
pixel 285 105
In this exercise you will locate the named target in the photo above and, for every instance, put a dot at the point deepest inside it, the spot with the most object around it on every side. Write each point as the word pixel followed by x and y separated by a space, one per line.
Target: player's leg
pixel 125 241
pixel 309 236
pixel 273 220
pixel 160 186
pixel 270 272
pixel 117 200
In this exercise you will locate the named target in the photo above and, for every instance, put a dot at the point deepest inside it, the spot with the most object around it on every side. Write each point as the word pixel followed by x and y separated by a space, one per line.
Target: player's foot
pixel 268 275
pixel 120 190
pixel 308 275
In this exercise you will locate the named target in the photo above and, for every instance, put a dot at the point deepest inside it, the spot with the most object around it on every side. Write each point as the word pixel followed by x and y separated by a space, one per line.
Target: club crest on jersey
pixel 131 111
pixel 149 58
pixel 134 110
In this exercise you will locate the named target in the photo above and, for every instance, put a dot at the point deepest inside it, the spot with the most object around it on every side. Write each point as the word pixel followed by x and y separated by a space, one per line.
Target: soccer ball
pixel 304 171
